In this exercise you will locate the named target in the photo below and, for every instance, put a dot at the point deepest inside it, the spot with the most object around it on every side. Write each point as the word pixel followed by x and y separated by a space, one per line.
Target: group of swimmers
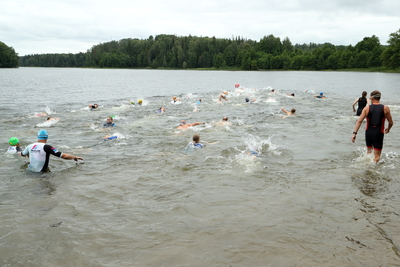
pixel 363 110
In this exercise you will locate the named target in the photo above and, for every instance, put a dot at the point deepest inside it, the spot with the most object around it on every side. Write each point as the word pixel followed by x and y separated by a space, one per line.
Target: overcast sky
pixel 72 26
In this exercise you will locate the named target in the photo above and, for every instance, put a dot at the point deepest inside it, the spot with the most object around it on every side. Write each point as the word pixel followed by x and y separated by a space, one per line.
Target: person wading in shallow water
pixel 362 102
pixel 376 113
pixel 39 153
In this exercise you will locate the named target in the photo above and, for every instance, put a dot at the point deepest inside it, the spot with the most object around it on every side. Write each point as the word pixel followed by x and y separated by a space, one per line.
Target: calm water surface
pixel 310 198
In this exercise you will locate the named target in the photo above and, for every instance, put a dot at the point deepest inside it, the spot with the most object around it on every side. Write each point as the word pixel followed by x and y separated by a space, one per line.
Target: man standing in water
pixel 376 113
pixel 39 153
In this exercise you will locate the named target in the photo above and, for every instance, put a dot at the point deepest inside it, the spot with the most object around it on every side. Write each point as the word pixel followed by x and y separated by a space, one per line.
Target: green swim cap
pixel 13 141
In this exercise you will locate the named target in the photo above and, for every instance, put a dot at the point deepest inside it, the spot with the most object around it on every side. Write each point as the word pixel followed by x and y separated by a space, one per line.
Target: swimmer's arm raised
pixel 284 110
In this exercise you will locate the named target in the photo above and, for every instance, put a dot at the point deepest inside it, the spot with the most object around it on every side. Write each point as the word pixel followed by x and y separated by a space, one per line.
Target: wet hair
pixel 247 100
pixel 225 118
pixel 293 110
pixel 376 95
pixel 292 94
pixel 364 94
pixel 196 138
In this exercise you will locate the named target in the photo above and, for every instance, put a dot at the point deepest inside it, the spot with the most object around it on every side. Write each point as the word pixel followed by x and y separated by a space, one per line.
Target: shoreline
pixel 376 69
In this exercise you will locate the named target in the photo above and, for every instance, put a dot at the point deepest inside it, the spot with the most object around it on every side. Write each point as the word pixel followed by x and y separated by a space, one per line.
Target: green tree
pixel 287 45
pixel 205 60
pixel 219 61
pixel 8 57
pixel 270 45
pixel 264 62
pixel 368 44
pixel 391 55
pixel 297 62
pixel 246 62
pixel 344 59
pixel 332 62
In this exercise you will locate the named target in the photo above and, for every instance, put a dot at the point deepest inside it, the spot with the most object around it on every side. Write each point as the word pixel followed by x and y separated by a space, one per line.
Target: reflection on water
pixel 267 190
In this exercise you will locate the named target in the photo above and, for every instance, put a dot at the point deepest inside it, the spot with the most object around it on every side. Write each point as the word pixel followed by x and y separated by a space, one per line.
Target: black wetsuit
pixel 362 102
pixel 375 129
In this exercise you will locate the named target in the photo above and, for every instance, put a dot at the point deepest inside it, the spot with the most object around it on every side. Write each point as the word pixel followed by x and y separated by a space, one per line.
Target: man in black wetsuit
pixel 376 113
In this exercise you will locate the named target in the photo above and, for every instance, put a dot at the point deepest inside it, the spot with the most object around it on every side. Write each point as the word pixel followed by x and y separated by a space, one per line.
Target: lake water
pixel 310 198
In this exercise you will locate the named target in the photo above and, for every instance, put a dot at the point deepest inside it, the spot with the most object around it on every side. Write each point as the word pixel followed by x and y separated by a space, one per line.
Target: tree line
pixel 8 57
pixel 270 53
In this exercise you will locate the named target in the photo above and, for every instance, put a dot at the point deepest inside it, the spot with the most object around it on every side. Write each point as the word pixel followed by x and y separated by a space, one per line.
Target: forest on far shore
pixel 183 52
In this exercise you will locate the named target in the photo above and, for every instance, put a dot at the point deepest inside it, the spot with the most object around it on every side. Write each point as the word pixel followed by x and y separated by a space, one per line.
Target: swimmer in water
pixel 196 142
pixel 161 110
pixel 93 106
pixel 51 118
pixel 321 95
pixel 198 101
pixel 223 96
pixel 248 100
pixel 140 102
pixel 224 122
pixel 174 100
pixel 109 122
pixel 291 112
pixel 110 137
pixel 183 125
pixel 41 114
pixel 292 94
pixel 253 153
pixel 14 146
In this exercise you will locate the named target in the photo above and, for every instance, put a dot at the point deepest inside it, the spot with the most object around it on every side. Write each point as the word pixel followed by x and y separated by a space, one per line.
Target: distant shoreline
pixel 376 69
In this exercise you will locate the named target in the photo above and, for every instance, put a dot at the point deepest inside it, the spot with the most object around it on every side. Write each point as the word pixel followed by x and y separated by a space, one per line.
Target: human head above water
pixel 109 119
pixel 321 93
pixel 376 95
pixel 225 118
pixel 43 135
pixel 183 122
pixel 196 138
pixel 13 141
